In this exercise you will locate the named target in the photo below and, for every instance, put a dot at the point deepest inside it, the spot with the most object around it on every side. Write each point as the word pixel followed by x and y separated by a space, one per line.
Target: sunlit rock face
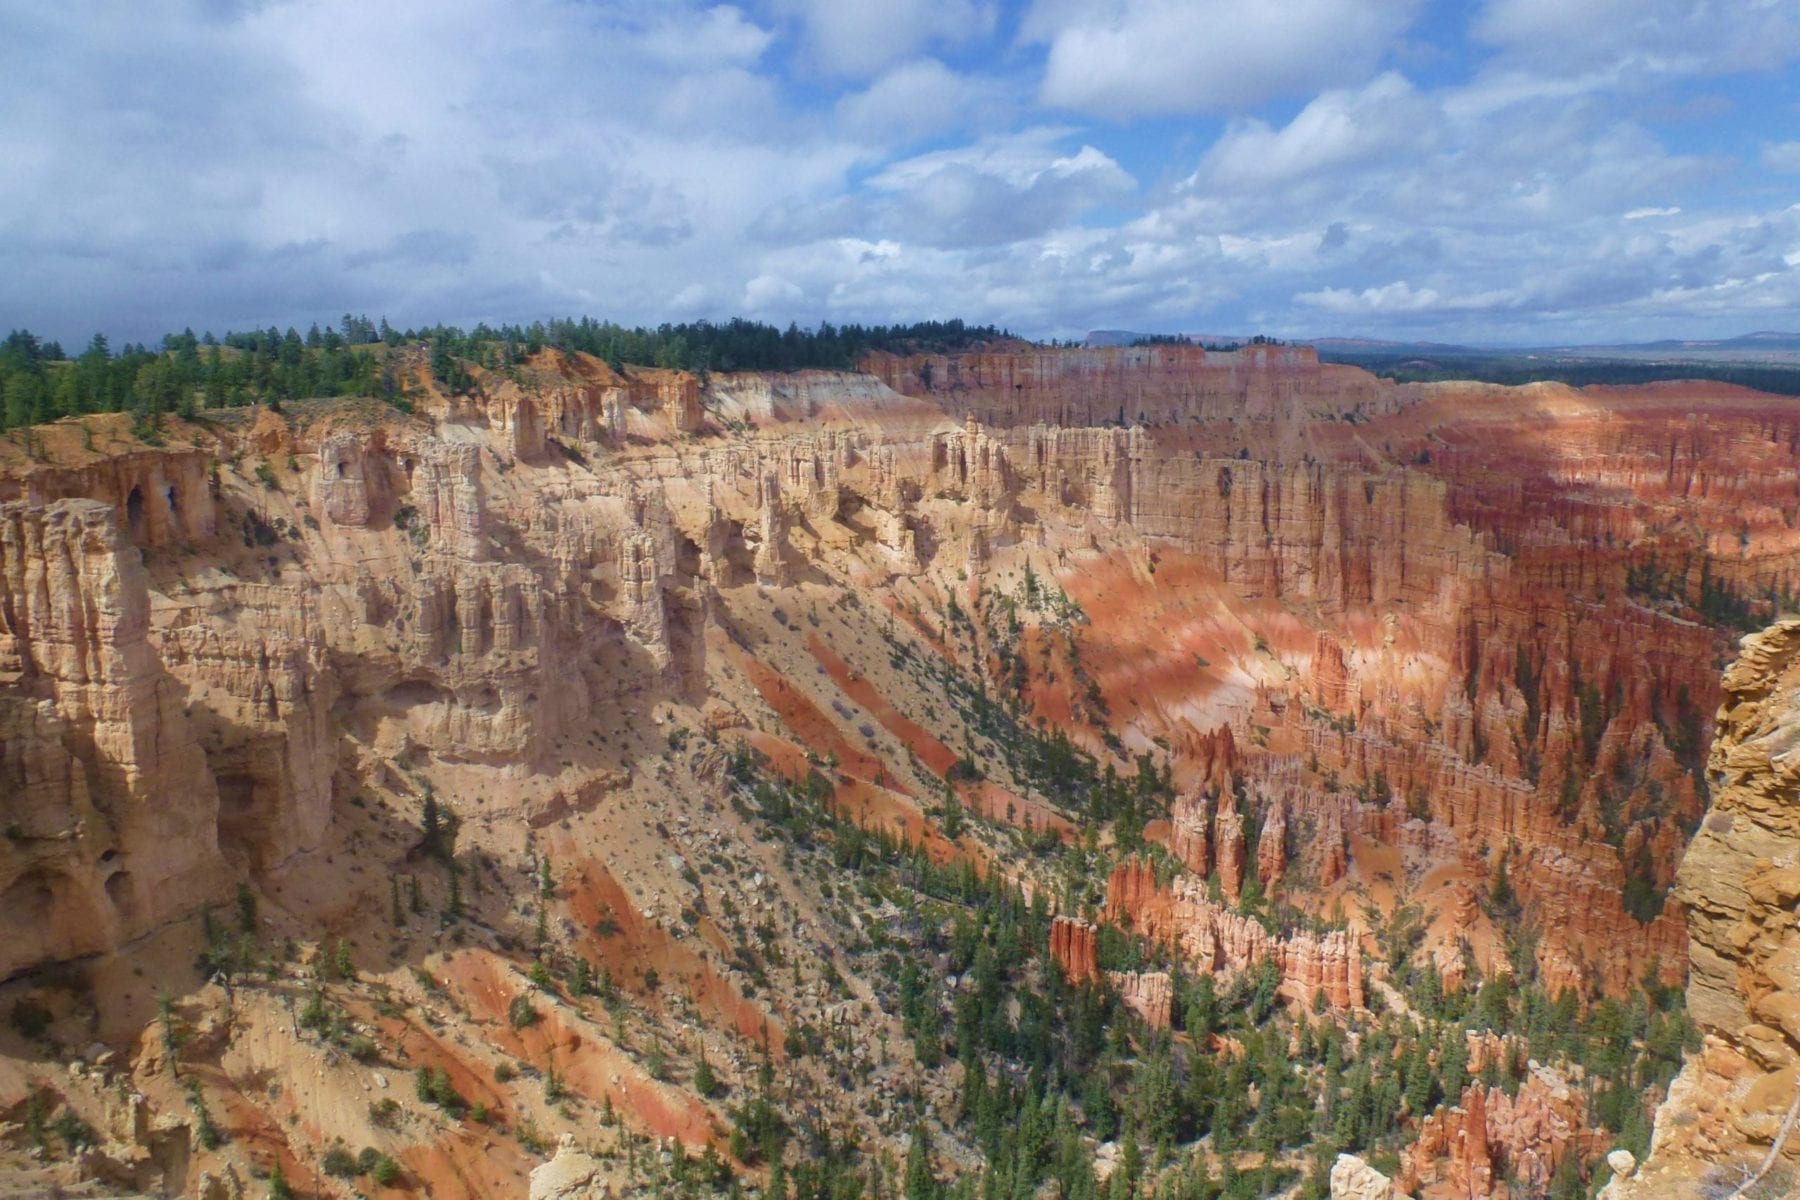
pixel 1423 612
pixel 1449 647
pixel 1740 882
pixel 110 813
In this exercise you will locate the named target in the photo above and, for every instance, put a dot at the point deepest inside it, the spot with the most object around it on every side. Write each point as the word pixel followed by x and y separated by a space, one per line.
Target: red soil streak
pixel 918 626
pixel 814 728
pixel 465 1160
pixel 937 757
pixel 585 1063
pixel 993 801
pixel 785 759
pixel 466 1163
pixel 1050 700
pixel 424 1048
pixel 638 946
pixel 256 1129
pixel 868 805
pixel 878 808
pixel 1147 632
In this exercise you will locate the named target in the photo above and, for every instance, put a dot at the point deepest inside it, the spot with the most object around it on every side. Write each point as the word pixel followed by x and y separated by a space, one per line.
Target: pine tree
pixel 704 1080
pixel 432 822
pixel 453 906
pixel 246 906
pixel 171 1032
pixel 919 1183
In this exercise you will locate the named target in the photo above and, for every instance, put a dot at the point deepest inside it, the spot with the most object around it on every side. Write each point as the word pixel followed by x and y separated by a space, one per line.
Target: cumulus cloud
pixel 857 38
pixel 230 164
pixel 999 190
pixel 1338 129
pixel 916 99
pixel 1782 156
pixel 1396 297
pixel 193 152
pixel 1126 58
pixel 1661 36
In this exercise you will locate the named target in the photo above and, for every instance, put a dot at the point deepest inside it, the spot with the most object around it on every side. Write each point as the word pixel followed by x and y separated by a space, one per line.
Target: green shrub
pixel 30 1018
pixel 340 1162
pixel 74 1132
pixel 520 1013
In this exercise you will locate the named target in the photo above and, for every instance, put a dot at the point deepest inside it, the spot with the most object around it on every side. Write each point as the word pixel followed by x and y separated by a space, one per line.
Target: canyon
pixel 410 703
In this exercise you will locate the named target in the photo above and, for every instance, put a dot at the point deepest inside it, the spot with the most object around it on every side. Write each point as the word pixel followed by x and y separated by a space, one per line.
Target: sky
pixel 1492 171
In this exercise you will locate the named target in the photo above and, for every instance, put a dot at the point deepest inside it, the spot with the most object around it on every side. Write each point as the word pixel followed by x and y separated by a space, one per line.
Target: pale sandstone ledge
pixel 1740 881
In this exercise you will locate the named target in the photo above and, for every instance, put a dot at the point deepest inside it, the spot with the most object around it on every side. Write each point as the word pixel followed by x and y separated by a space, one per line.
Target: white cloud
pixel 857 38
pixel 1124 58
pixel 995 191
pixel 1782 156
pixel 1655 36
pixel 1337 130
pixel 917 99
pixel 720 35
pixel 284 160
pixel 1396 297
pixel 770 294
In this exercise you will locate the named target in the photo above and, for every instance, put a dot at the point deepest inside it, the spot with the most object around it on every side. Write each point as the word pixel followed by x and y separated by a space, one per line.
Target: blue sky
pixel 1503 171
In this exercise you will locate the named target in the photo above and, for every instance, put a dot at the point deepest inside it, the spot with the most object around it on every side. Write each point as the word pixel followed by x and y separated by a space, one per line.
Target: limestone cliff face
pixel 160 497
pixel 1384 639
pixel 1156 385
pixel 1408 632
pixel 1740 883
pixel 109 809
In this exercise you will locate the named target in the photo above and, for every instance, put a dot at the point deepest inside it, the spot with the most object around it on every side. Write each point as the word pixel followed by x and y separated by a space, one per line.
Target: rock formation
pixel 1190 833
pixel 111 815
pixel 1075 947
pixel 1734 1102
pixel 571 1174
pixel 1155 385
pixel 1419 631
pixel 1228 827
pixel 1272 846
pixel 1354 1179
pixel 1212 938
pixel 1149 994
pixel 1470 1148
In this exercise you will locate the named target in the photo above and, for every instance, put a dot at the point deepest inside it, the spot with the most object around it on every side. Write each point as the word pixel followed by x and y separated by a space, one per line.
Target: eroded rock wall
pixel 1212 938
pixel 1155 385
pixel 1740 883
pixel 109 811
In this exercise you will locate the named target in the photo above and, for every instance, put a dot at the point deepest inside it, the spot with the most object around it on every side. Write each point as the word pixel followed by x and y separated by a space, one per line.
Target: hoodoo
pixel 692 772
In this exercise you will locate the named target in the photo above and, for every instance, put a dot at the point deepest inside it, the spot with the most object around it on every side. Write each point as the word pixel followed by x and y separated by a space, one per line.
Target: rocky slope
pixel 1730 1114
pixel 1398 651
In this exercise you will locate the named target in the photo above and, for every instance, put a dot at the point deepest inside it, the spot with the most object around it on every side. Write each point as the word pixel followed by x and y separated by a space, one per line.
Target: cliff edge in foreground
pixel 1731 1113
